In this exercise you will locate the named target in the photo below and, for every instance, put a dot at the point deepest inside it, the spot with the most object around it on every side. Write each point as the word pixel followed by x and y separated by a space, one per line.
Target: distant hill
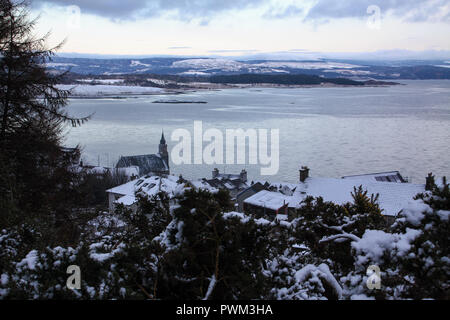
pixel 199 67
pixel 285 79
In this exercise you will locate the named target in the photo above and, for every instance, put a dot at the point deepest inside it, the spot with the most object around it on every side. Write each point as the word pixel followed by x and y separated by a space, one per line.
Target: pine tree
pixel 32 116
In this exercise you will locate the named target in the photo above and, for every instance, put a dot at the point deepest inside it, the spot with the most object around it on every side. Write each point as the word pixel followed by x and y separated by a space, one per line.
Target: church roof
pixel 150 163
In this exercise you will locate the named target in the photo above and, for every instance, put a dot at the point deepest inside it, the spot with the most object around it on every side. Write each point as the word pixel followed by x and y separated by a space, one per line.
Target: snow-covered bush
pixel 414 257
pixel 327 228
pixel 213 253
pixel 195 247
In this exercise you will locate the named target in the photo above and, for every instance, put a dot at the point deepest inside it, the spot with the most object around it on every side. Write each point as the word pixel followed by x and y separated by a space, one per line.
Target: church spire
pixel 163 140
pixel 163 150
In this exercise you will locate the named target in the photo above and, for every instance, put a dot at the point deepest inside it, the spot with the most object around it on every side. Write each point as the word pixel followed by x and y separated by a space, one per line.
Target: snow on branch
pixel 211 286
pixel 340 236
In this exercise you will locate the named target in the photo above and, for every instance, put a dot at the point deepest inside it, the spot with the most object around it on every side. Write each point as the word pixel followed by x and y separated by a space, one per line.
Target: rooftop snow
pixel 393 197
pixel 146 163
pixel 270 200
pixel 152 185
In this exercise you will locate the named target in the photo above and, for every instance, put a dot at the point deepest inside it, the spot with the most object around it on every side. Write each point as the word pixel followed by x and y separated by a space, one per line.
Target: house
pixel 234 183
pixel 229 176
pixel 268 204
pixel 247 193
pixel 148 185
pixel 150 164
pixel 393 197
pixel 151 185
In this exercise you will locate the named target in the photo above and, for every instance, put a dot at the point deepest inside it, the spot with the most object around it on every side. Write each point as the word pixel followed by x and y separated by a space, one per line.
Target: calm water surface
pixel 335 131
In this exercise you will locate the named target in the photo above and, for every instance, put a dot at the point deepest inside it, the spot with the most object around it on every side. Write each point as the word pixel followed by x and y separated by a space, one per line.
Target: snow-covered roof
pixel 127 200
pixel 269 200
pixel 203 184
pixel 146 163
pixel 152 185
pixel 393 197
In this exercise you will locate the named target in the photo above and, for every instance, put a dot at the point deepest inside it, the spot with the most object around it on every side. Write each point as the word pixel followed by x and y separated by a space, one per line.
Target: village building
pixel 281 200
pixel 248 192
pixel 150 164
pixel 261 199
pixel 150 186
pixel 234 183
pixel 269 205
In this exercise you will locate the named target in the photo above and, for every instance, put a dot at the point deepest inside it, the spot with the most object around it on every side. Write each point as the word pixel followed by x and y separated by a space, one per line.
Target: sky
pixel 244 27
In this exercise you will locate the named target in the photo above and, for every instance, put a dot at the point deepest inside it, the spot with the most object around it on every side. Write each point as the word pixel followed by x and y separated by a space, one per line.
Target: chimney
pixel 243 175
pixel 430 183
pixel 304 173
pixel 215 173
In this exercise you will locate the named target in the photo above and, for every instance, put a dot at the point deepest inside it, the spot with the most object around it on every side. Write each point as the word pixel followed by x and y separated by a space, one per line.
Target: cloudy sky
pixel 237 27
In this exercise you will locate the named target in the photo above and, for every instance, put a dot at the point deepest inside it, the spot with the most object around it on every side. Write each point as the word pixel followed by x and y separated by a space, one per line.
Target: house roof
pixel 226 183
pixel 256 187
pixel 152 185
pixel 393 197
pixel 268 199
pixel 146 163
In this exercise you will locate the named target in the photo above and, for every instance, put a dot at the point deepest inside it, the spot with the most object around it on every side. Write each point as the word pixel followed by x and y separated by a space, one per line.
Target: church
pixel 150 164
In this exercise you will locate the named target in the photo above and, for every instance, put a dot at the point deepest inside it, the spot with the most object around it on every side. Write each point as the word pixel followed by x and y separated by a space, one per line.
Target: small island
pixel 178 101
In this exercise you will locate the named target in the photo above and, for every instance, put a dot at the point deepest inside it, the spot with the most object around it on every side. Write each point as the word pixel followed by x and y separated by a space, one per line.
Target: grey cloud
pixel 411 10
pixel 324 10
pixel 204 10
pixel 108 8
pixel 132 9
pixel 290 11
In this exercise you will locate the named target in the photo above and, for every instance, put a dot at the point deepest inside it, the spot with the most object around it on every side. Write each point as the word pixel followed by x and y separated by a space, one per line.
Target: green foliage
pixel 208 245
pixel 324 227
pixel 428 261
pixel 192 247
pixel 37 186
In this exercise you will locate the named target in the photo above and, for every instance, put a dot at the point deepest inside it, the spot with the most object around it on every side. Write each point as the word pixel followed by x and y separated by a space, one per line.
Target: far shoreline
pixel 205 87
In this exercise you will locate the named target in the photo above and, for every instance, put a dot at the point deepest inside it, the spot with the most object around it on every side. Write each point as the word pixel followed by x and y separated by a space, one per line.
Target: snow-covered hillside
pixel 107 90
pixel 205 64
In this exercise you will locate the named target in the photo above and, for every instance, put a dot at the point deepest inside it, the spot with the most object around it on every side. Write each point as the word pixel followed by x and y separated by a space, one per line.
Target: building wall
pixel 259 212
